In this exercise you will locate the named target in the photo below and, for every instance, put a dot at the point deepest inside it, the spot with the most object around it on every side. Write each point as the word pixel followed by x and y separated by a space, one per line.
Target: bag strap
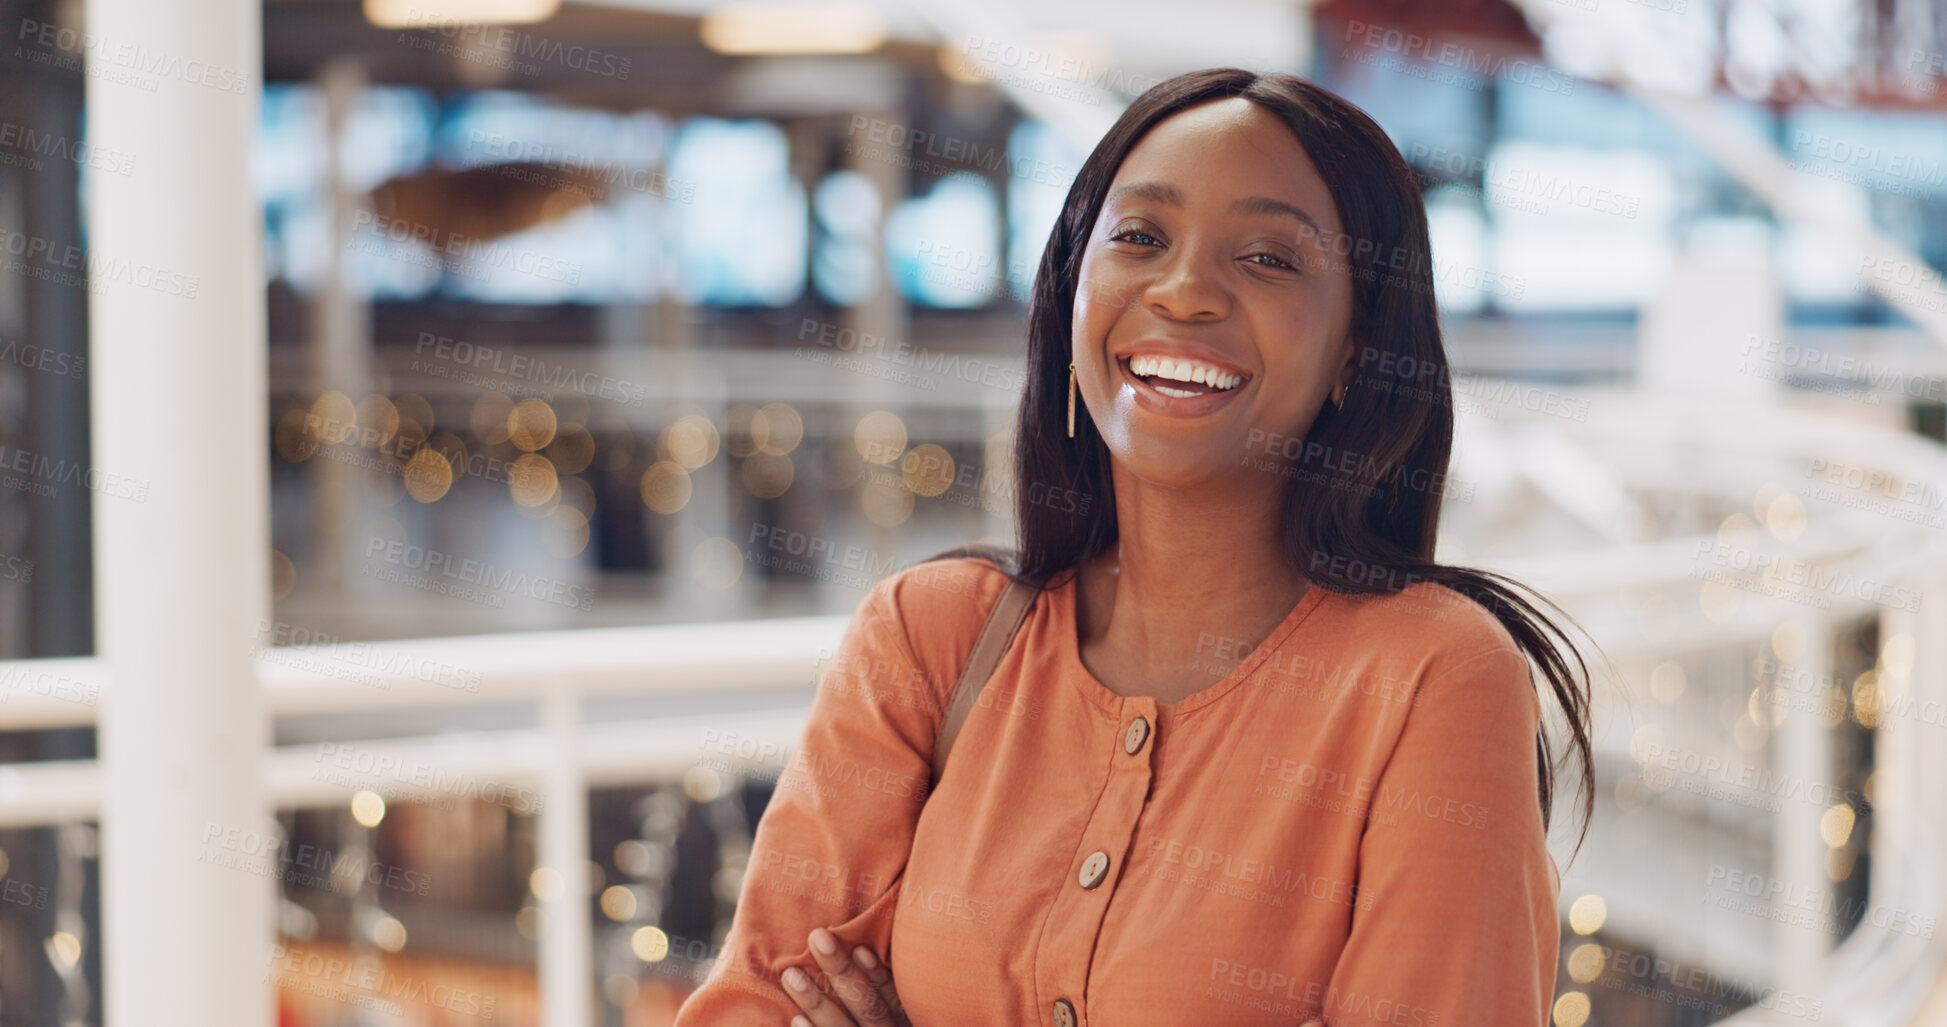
pixel 1003 622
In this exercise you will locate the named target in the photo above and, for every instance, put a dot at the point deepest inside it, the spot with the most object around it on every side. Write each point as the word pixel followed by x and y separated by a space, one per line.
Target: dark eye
pixel 1276 261
pixel 1133 234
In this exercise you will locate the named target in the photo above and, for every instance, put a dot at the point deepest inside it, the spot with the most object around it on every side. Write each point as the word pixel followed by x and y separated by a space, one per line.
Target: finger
pixel 881 977
pixel 849 983
pixel 818 1010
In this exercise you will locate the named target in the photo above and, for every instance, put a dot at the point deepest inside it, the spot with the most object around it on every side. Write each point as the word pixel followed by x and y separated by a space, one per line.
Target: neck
pixel 1192 573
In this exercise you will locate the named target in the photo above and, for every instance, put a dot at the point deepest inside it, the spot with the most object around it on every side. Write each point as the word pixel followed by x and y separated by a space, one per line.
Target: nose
pixel 1187 290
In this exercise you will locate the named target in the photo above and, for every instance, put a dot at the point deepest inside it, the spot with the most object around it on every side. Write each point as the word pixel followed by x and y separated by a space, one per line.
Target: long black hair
pixel 1362 516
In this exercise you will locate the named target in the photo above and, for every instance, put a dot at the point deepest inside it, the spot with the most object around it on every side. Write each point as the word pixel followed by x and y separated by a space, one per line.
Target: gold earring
pixel 1071 400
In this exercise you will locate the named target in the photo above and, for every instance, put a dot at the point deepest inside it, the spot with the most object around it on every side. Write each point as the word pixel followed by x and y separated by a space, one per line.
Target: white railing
pixel 731 664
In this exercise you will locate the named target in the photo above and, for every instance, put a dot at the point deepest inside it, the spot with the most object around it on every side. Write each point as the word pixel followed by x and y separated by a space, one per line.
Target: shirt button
pixel 1132 741
pixel 1064 1013
pixel 1094 868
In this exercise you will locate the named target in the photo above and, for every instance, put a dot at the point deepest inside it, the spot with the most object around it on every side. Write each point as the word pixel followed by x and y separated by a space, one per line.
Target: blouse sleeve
pixel 1456 920
pixel 834 839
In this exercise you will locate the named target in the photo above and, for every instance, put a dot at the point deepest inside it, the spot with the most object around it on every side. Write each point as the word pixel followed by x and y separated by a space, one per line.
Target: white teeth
pixel 1179 393
pixel 1150 366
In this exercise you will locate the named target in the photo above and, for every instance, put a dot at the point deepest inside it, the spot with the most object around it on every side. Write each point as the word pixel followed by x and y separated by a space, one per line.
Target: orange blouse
pixel 1346 825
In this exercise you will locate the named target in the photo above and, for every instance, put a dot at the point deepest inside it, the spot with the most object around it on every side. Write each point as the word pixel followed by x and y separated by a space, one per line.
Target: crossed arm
pixel 831 848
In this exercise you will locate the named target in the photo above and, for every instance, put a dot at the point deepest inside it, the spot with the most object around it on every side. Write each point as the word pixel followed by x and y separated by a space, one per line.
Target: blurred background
pixel 612 351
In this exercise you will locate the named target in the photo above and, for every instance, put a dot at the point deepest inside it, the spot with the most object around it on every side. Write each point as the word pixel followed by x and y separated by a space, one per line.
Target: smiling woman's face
pixel 1208 262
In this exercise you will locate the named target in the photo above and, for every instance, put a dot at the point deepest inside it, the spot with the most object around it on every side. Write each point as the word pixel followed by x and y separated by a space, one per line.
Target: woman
pixel 1253 757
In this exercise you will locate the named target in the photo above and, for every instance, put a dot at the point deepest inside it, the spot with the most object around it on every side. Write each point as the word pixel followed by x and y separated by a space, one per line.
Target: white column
pixel 567 942
pixel 1928 682
pixel 1899 744
pixel 882 314
pixel 1801 749
pixel 339 357
pixel 181 509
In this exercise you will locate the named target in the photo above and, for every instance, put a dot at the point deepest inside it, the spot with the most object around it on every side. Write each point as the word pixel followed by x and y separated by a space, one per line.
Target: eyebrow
pixel 1164 193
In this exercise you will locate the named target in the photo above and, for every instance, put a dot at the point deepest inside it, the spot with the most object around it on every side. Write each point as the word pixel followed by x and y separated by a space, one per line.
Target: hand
pixel 861 981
